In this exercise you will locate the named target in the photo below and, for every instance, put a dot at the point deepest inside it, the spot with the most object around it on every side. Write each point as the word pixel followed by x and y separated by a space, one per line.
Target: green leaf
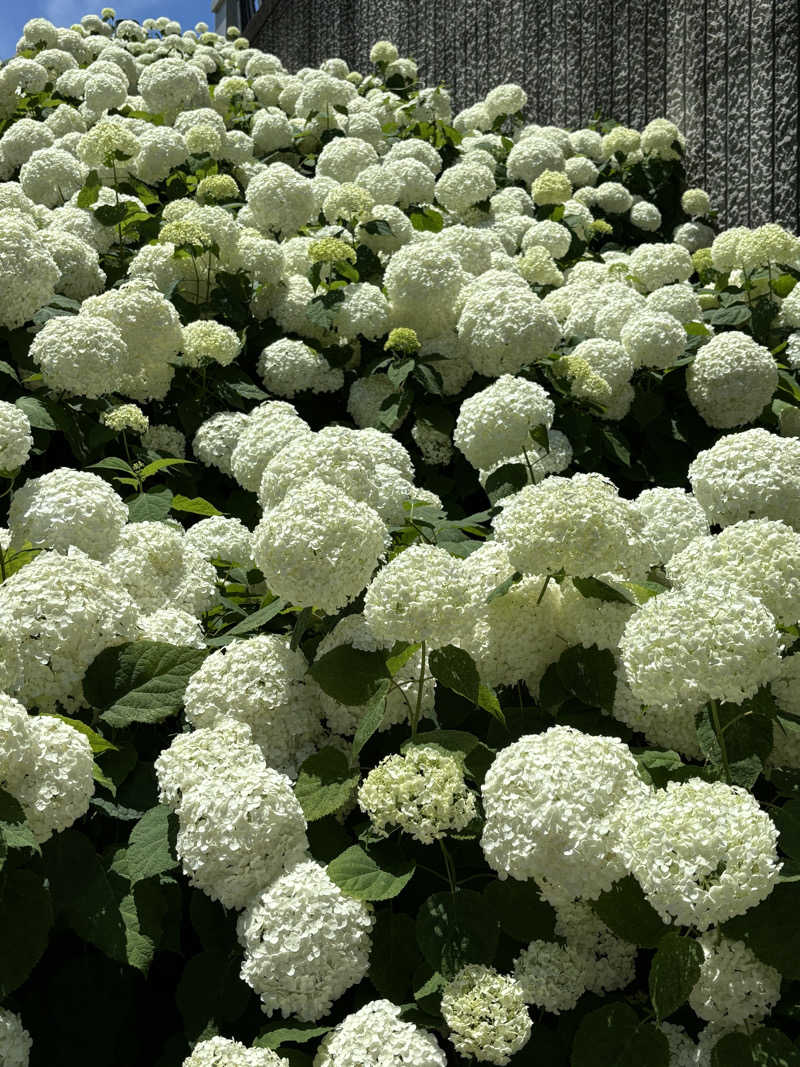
pixel 765 1047
pixel 520 910
pixel 505 481
pixel 350 675
pixel 38 415
pixel 112 463
pixel 26 916
pixel 747 733
pixel 589 674
pixel 626 912
pixel 111 214
pixel 455 669
pixel 159 465
pixel 771 929
pixel 98 743
pixel 427 219
pixel 252 622
pixel 400 653
pixel 614 1036
pixel 398 372
pixel 141 681
pixel 378 228
pixel 325 783
pixel 90 191
pixel 674 972
pixel 360 875
pixel 14 829
pixel 696 329
pixel 371 719
pixel 151 845
pixel 152 506
pixel 600 590
pixel 194 505
pixel 453 930
pixel 503 587
pixel 453 740
pixel 656 766
pixel 298 1035
pixel 733 315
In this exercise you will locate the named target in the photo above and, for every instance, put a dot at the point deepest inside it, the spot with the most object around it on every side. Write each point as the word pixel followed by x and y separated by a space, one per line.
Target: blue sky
pixel 13 16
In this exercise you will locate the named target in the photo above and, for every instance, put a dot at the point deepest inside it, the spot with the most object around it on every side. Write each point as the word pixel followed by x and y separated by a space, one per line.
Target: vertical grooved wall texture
pixel 726 71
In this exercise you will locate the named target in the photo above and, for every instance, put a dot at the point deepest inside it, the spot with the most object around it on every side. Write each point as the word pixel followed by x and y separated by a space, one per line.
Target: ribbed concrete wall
pixel 726 71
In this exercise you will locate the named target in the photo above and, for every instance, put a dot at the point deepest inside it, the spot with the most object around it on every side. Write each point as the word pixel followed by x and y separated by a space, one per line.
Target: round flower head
pixel 654 265
pixel 16 440
pixel 193 758
pixel 653 339
pixel 551 976
pixel 701 851
pixel 16 1043
pixel 608 961
pixel 463 185
pixel 216 439
pixel 305 943
pixel 269 428
pixel 56 615
pixel 502 330
pixel 672 517
pixel 758 556
pixel 421 595
pixel 221 538
pixel 166 440
pixel 645 216
pixel 508 99
pixel 222 1052
pixel 365 401
pixel 376 1036
pixel 422 283
pixel 731 379
pixel 288 367
pixel 538 267
pixel 348 203
pixel 172 626
pixel 553 804
pixel 496 423
pixel 126 417
pixel 159 569
pixel 735 987
pixel 531 157
pixel 66 508
pixel 613 198
pixel 83 355
pixel 354 631
pixel 56 783
pixel 423 792
pixel 580 525
pixel 206 341
pixel 239 831
pixel 549 235
pixel 700 643
pixel 280 199
pixel 486 1014
pixel 318 546
pixel 749 475
pixel 262 682
pixel 696 202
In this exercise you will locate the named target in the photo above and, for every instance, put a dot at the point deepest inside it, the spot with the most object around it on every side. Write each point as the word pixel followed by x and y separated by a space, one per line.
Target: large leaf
pixel 142 681
pixel 455 669
pixel 674 972
pixel 350 675
pixel 14 829
pixel 626 912
pixel 454 929
pixel 615 1036
pixel 151 846
pixel 520 910
pixel 372 718
pixel 26 916
pixel 152 506
pixel 325 783
pixel 589 675
pixel 765 1047
pixel 361 875
pixel 771 929
pixel 297 1035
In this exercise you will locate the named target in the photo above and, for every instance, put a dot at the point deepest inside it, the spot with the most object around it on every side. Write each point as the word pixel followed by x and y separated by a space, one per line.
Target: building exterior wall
pixel 726 71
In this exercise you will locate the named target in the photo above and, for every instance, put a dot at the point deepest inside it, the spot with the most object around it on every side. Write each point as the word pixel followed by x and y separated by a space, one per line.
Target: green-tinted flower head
pixel 403 340
pixel 331 250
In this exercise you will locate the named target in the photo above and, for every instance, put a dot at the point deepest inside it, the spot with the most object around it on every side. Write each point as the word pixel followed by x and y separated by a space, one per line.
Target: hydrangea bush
pixel 399 575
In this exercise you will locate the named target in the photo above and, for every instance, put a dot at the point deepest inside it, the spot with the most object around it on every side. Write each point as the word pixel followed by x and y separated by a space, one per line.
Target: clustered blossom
pixel 15 1041
pixel 376 1035
pixel 222 1052
pixel 496 423
pixel 16 440
pixel 486 1014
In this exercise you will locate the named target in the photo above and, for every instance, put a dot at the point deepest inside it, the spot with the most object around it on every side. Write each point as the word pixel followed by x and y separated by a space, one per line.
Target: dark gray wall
pixel 726 71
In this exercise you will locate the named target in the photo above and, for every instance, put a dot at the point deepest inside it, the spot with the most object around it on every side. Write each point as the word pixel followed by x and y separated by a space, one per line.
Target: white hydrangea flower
pixel 269 428
pixel 218 537
pixel 758 556
pixel 281 200
pixel 609 962
pixel 193 758
pixel 165 439
pixel 731 379
pixel 673 518
pixel 590 621
pixel 206 341
pixel 486 1014
pixel 701 851
pixel 223 1052
pixel 422 283
pixel 16 440
pixel 28 273
pixel 613 198
pixel 172 626
pixel 653 339
pixel 495 423
pixel 553 802
pixel 422 791
pixel 153 562
pixel 667 726
pixel 67 508
pixel 749 475
pixel 735 986
pixel 532 156
pixel 318 546
pixel 656 265
pixel 580 525
pixel 343 719
pixel 363 312
pixel 376 1036
pixel 15 1041
pixel 422 594
pixel 701 642
pixel 645 216
pixel 83 355
pixel 56 615
pixel 550 235
pixel 678 300
pixel 50 176
pixel 552 976
pixel 260 681
pixel 463 185
pixel 305 943
pixel 288 367
pixel 503 329
pixel 435 445
pixel 216 438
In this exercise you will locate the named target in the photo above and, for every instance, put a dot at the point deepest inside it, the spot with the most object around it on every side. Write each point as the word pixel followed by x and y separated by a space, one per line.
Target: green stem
pixel 543 590
pixel 418 709
pixel 528 465
pixel 720 738
pixel 448 866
